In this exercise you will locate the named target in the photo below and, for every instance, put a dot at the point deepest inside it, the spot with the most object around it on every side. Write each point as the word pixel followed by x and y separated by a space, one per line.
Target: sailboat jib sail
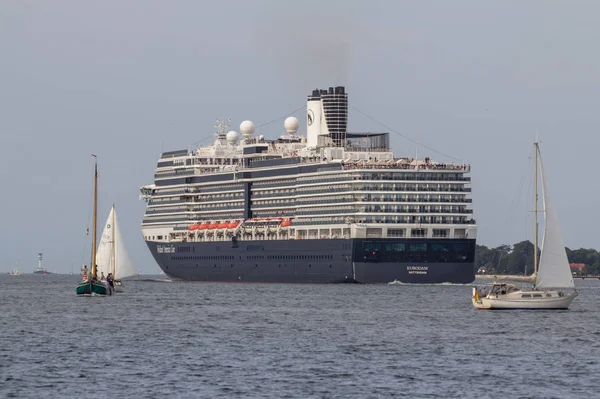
pixel 112 255
pixel 105 248
pixel 554 270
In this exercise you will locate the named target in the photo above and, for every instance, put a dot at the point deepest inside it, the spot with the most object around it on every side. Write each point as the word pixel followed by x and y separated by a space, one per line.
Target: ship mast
pixel 113 245
pixel 95 215
pixel 535 208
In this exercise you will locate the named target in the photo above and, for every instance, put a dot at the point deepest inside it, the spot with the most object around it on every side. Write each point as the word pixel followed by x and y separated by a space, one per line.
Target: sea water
pixel 175 339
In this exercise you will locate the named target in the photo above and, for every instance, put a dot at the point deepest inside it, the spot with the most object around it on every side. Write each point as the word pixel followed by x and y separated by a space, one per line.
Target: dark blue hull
pixel 319 261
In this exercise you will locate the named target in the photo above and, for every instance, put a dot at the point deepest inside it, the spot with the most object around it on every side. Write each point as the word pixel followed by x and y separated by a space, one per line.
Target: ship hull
pixel 305 261
pixel 93 288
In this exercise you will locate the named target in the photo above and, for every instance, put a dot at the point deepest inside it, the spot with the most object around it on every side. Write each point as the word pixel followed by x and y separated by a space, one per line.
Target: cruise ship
pixel 329 206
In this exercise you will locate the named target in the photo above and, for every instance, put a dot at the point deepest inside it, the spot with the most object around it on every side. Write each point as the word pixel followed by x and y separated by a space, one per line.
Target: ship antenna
pixel 222 127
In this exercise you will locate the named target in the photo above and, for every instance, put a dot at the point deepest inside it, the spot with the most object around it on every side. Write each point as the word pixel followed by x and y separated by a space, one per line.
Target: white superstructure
pixel 327 184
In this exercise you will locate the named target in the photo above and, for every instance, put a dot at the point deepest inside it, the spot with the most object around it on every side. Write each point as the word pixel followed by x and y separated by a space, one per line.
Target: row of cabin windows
pixel 408 176
pixel 290 257
pixel 384 176
pixel 373 251
pixel 153 237
pixel 437 233
pixel 274 183
pixel 434 198
pixel 206 257
pixel 256 257
pixel 216 161
pixel 534 295
pixel 396 188
pixel 169 192
pixel 217 188
pixel 301 257
pixel 195 208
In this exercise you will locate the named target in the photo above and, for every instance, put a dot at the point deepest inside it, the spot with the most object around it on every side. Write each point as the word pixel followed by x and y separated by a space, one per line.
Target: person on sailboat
pixel 102 278
pixel 110 280
pixel 84 272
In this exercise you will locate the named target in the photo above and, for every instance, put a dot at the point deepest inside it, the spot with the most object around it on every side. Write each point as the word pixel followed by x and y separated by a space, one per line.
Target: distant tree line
pixel 518 259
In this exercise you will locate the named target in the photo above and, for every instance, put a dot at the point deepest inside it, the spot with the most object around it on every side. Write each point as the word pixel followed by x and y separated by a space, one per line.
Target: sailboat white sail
pixel 554 270
pixel 112 256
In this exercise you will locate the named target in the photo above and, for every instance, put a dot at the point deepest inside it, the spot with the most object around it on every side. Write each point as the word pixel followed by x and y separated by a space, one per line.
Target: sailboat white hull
pixel 515 300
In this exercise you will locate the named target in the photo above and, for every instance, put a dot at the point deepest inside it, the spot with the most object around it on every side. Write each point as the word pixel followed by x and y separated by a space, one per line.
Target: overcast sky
pixel 123 79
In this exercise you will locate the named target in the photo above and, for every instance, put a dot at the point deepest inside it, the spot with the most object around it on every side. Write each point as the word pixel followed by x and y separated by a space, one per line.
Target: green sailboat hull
pixel 93 288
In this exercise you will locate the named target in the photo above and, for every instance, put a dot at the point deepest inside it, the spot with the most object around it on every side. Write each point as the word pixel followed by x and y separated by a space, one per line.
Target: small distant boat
pixel 553 286
pixel 112 256
pixel 91 285
pixel 15 271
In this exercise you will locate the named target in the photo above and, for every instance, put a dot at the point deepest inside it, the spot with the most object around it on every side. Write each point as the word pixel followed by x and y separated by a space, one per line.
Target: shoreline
pixel 508 276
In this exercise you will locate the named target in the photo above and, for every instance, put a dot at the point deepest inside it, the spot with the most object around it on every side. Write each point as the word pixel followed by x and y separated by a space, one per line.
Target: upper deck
pixel 350 183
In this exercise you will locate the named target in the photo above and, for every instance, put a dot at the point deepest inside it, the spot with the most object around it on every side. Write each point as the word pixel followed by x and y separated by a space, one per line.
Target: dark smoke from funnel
pixel 308 43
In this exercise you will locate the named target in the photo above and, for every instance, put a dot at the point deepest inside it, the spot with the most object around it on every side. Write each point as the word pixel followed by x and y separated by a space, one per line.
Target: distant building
pixel 577 267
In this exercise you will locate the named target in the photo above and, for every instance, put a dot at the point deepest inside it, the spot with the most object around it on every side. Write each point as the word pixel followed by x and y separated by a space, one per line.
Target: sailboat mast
pixel 95 217
pixel 535 208
pixel 113 245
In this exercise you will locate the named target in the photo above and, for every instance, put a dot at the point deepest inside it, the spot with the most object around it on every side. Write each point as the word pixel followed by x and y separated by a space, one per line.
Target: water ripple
pixel 289 341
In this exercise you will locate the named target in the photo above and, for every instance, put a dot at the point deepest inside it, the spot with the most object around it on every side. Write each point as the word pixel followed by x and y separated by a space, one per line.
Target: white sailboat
pixel 112 256
pixel 553 286
pixel 16 272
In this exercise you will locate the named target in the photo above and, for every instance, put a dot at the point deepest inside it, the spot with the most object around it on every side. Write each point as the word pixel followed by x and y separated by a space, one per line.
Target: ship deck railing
pixel 402 165
pixel 350 191
pixel 392 164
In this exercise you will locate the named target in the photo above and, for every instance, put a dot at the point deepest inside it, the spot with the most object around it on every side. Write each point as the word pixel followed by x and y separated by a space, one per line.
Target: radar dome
pixel 291 125
pixel 232 137
pixel 247 128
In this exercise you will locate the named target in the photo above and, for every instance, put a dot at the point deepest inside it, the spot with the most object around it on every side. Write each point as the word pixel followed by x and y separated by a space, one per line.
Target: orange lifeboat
pixel 203 226
pixel 223 225
pixel 213 226
pixel 286 223
pixel 233 225
pixel 194 227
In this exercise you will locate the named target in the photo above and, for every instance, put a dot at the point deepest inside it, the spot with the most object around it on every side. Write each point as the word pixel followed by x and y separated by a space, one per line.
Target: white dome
pixel 232 137
pixel 291 125
pixel 247 128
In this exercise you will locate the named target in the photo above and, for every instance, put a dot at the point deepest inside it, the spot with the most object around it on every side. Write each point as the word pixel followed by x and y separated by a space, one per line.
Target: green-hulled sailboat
pixel 91 285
